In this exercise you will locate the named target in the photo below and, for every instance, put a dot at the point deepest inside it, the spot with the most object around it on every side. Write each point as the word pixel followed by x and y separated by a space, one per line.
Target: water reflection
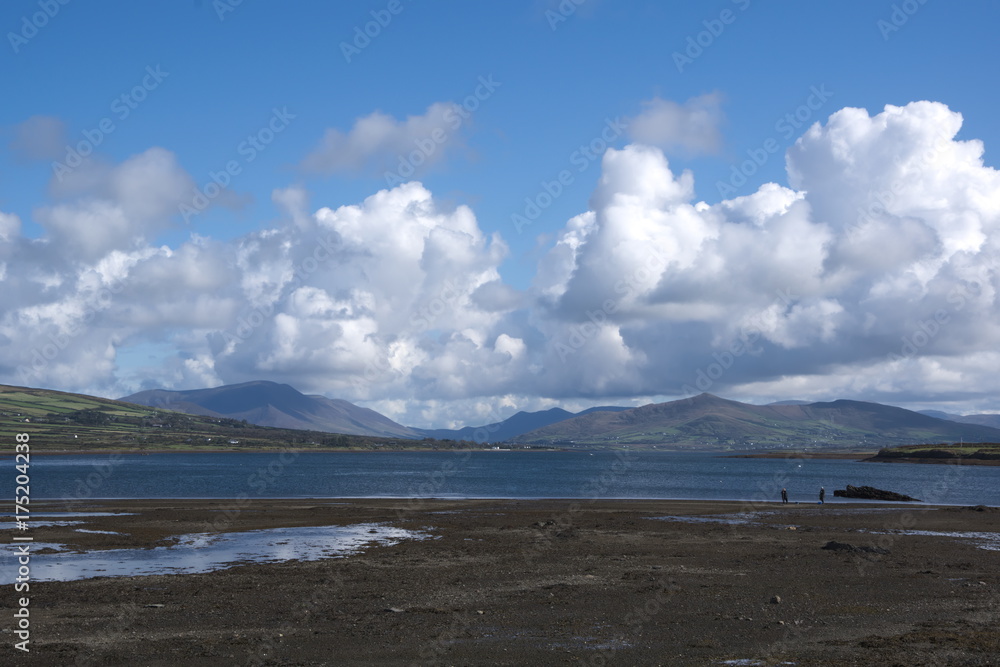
pixel 205 552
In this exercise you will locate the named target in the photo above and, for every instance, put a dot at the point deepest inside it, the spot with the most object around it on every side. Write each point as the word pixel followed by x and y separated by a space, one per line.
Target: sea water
pixel 487 474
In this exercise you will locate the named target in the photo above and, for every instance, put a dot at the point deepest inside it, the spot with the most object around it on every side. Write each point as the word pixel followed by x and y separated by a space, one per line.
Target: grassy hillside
pixel 708 422
pixel 977 453
pixel 279 405
pixel 58 421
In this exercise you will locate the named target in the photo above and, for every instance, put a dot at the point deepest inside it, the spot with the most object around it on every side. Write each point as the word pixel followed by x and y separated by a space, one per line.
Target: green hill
pixel 59 421
pixel 279 405
pixel 707 422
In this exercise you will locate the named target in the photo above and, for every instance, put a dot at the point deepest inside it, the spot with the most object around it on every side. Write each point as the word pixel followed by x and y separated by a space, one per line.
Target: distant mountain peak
pixel 268 403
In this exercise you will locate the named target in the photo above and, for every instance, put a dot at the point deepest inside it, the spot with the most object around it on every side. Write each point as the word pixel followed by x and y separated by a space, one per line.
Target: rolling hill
pixel 66 422
pixel 710 422
pixel 278 405
pixel 224 418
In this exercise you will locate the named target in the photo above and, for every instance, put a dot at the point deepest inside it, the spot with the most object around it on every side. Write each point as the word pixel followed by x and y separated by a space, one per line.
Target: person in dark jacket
pixel 784 495
pixel 822 494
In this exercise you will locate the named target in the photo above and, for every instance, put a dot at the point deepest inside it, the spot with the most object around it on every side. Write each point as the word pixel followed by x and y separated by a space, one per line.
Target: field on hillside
pixel 982 453
pixel 58 421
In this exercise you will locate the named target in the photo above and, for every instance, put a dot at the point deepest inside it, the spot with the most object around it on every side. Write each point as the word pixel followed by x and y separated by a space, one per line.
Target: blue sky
pixel 559 75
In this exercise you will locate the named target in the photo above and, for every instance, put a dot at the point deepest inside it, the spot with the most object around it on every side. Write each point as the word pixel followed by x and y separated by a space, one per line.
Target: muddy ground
pixel 502 582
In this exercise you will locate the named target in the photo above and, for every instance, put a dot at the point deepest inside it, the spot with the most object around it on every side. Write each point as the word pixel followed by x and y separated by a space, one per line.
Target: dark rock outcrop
pixel 871 493
pixel 833 545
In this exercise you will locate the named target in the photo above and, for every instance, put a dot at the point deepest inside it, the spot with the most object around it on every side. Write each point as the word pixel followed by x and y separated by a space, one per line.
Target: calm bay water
pixel 632 474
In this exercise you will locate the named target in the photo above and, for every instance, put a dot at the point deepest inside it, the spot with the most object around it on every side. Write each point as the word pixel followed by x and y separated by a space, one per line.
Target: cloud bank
pixel 872 274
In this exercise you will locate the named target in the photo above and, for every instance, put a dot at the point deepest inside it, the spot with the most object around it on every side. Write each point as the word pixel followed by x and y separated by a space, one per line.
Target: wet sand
pixel 502 582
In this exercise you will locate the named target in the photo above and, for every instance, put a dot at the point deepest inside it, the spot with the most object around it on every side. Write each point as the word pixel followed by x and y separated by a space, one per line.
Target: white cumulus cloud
pixel 873 273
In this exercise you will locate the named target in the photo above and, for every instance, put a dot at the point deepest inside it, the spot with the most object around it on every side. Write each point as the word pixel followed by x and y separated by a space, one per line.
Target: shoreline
pixel 510 582
pixel 739 504
pixel 968 461
pixel 343 450
pixel 860 456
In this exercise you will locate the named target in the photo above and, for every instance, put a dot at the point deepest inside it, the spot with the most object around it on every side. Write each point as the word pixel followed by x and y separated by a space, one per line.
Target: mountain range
pixel 703 421
pixel 279 405
pixel 707 421
pixel 514 426
pixel 271 404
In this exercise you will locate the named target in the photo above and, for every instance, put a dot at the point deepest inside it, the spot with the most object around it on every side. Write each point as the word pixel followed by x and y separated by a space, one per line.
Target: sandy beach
pixel 503 582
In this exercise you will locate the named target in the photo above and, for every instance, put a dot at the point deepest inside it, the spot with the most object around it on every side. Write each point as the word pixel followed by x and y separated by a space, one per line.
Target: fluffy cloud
pixel 380 143
pixel 692 126
pixel 117 208
pixel 873 274
pixel 884 255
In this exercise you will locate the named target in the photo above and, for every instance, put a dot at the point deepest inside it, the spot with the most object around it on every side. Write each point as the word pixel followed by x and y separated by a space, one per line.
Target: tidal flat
pixel 514 582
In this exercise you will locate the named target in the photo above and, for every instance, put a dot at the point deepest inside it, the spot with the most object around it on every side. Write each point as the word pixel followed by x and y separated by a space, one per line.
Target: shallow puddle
pixel 726 519
pixel 205 552
pixel 988 541
pixel 32 519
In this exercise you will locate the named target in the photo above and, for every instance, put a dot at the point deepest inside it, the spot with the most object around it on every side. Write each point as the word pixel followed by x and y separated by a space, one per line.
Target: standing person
pixel 822 494
pixel 784 495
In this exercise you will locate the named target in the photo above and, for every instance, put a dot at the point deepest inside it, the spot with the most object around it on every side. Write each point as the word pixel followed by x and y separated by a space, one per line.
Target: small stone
pixel 395 610
pixel 776 599
pixel 781 622
pixel 480 611
pixel 153 606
